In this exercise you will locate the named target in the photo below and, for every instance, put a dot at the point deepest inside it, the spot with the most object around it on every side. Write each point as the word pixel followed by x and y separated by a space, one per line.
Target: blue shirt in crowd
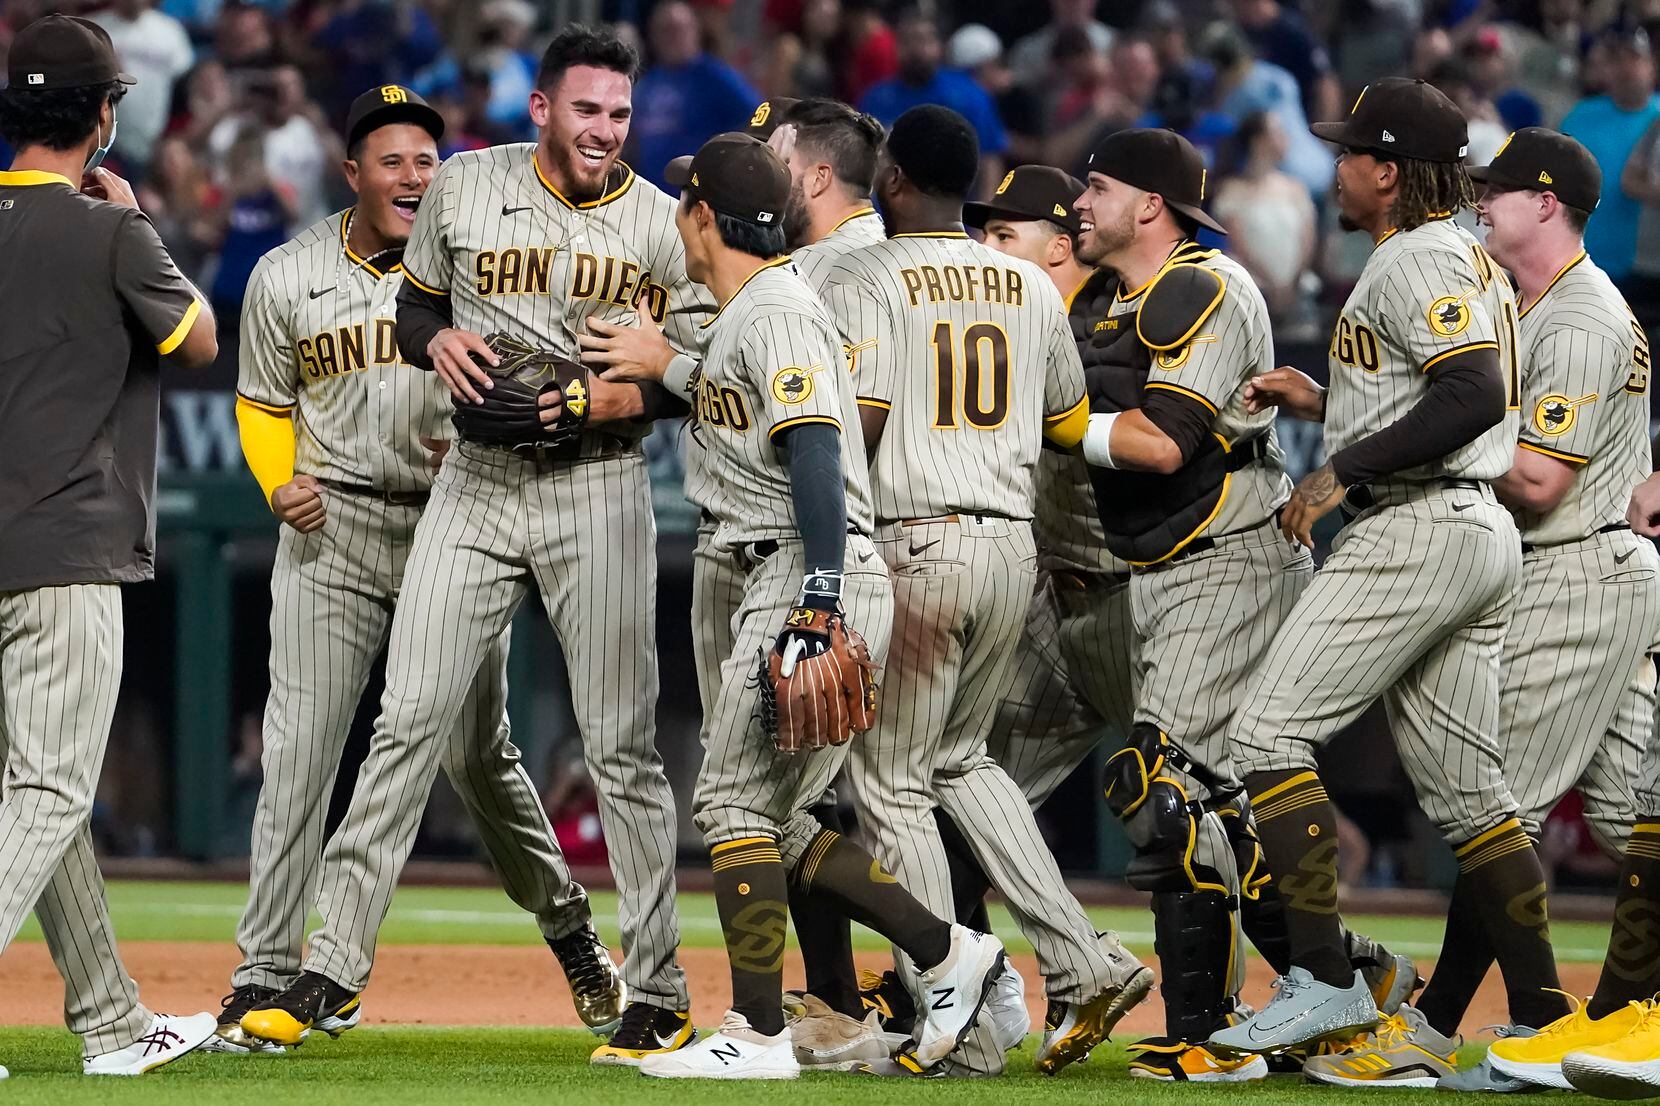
pixel 953 88
pixel 677 110
pixel 1611 133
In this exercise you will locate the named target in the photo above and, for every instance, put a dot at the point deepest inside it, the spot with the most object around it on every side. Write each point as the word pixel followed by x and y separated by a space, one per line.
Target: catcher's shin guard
pixel 1261 911
pixel 1184 858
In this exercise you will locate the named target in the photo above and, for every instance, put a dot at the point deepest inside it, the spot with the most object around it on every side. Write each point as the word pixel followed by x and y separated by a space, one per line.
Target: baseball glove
pixel 509 415
pixel 818 682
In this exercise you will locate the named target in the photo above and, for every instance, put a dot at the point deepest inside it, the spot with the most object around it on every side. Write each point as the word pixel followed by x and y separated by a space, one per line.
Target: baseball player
pixel 333 425
pixel 791 504
pixel 90 302
pixel 963 364
pixel 1189 483
pixel 1588 610
pixel 533 241
pixel 1415 599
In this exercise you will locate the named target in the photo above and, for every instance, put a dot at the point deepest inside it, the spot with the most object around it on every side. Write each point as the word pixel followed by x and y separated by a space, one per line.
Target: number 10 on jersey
pixel 971 384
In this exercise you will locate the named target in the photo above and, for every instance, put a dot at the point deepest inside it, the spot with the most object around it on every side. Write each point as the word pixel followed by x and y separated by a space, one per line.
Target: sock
pixel 750 894
pixel 1507 886
pixel 968 883
pixel 1466 954
pixel 825 935
pixel 1298 828
pixel 855 880
pixel 1262 917
pixel 1629 974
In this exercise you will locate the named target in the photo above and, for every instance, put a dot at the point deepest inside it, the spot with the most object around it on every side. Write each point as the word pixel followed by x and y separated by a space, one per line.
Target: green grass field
pixel 417 1066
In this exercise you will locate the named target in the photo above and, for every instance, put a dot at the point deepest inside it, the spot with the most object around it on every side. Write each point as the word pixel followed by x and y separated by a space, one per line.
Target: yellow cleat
pixel 1179 1062
pixel 311 1002
pixel 645 1031
pixel 1070 1031
pixel 1539 1059
pixel 1403 1051
pixel 1626 1068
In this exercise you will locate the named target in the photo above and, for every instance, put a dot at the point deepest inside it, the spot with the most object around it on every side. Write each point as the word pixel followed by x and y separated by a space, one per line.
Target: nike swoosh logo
pixel 666 1042
pixel 1462 506
pixel 320 292
pixel 1621 560
pixel 863 557
pixel 919 550
pixel 506 211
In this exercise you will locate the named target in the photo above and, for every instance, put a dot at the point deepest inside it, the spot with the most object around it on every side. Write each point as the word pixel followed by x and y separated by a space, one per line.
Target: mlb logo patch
pixel 37 78
pixel 764 217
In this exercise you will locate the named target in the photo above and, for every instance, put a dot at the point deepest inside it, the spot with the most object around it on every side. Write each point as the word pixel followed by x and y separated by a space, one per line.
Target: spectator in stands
pixel 1164 28
pixel 371 44
pixel 503 52
pixel 799 62
pixel 1180 104
pixel 1486 129
pixel 244 37
pixel 1491 69
pixel 922 79
pixel 870 47
pixel 257 214
pixel 1270 220
pixel 686 97
pixel 1373 37
pixel 1097 96
pixel 299 144
pixel 1610 126
pixel 1640 181
pixel 1547 49
pixel 1246 85
pixel 977 51
pixel 1029 58
pixel 1283 38
pixel 208 98
pixel 154 48
pixel 182 202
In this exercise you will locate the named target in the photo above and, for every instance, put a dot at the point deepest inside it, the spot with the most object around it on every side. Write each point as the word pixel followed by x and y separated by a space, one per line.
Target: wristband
pixel 1098 440
pixel 821 588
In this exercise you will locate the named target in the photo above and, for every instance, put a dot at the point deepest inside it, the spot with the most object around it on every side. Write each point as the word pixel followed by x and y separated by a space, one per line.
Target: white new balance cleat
pixel 734 1051
pixel 950 995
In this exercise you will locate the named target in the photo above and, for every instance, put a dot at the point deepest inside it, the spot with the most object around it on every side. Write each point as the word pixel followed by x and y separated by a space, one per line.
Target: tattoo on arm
pixel 1318 485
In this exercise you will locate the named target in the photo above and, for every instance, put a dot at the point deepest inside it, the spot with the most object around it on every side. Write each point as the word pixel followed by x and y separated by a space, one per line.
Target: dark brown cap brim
pixel 679 171
pixel 126 78
pixel 1485 174
pixel 1197 214
pixel 1332 132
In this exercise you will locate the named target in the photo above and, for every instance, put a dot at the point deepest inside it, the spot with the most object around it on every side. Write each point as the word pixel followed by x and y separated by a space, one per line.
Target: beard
pixel 797 223
pixel 1107 239
pixel 1346 223
pixel 587 182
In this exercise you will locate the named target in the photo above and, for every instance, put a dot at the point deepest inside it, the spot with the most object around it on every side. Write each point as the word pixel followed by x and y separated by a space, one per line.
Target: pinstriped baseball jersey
pixel 1235 343
pixel 1585 365
pixel 773 361
pixel 970 352
pixel 1425 294
pixel 319 338
pixel 515 255
pixel 816 259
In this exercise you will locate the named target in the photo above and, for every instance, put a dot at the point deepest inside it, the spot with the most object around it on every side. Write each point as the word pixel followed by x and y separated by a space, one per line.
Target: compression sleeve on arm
pixel 814 453
pixel 657 402
pixel 1465 399
pixel 267 435
pixel 1184 420
pixel 421 314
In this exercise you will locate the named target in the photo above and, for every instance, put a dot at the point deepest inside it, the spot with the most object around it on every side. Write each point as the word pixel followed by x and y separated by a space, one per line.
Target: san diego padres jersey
pixel 319 339
pixel 772 361
pixel 513 254
pixel 1585 367
pixel 970 353
pixel 1424 295
pixel 1235 343
pixel 815 260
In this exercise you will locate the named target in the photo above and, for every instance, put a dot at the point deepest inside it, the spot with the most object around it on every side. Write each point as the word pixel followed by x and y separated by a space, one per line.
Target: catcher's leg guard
pixel 1261 911
pixel 1184 858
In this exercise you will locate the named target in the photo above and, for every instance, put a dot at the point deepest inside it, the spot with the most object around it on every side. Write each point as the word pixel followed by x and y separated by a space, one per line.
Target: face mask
pixel 103 151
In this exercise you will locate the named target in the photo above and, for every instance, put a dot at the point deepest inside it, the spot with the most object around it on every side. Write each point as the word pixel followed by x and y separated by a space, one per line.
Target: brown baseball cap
pixel 391 103
pixel 1542 160
pixel 62 51
pixel 1404 117
pixel 768 115
pixel 737 175
pixel 1157 160
pixel 1027 193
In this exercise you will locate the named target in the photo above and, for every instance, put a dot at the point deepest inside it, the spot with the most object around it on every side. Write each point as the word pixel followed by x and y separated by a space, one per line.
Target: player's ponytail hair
pixel 1429 190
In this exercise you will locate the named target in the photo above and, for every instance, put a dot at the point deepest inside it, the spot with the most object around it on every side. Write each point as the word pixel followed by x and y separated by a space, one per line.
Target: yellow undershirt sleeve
pixel 267 443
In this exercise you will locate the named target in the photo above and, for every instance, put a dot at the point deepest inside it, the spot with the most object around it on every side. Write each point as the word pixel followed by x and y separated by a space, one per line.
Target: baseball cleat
pixel 311 1002
pixel 167 1039
pixel 1392 978
pixel 886 994
pixel 1179 1062
pixel 950 995
pixel 1006 1009
pixel 1072 1030
pixel 229 1036
pixel 1303 1011
pixel 734 1051
pixel 1626 1068
pixel 828 1041
pixel 1538 1059
pixel 645 1031
pixel 597 987
pixel 4 1074
pixel 1404 1051
pixel 1482 1079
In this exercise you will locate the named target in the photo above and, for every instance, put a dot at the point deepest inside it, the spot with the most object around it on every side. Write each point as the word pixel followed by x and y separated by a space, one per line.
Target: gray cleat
pixel 1304 1011
pixel 1484 1079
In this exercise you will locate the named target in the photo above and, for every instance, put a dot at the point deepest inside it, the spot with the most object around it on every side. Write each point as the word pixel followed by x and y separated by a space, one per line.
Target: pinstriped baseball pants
pixel 60 671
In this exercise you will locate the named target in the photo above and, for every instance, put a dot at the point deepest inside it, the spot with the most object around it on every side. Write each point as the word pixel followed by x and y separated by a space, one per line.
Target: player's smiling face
pixel 1511 216
pixel 394 165
pixel 581 127
pixel 1108 207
